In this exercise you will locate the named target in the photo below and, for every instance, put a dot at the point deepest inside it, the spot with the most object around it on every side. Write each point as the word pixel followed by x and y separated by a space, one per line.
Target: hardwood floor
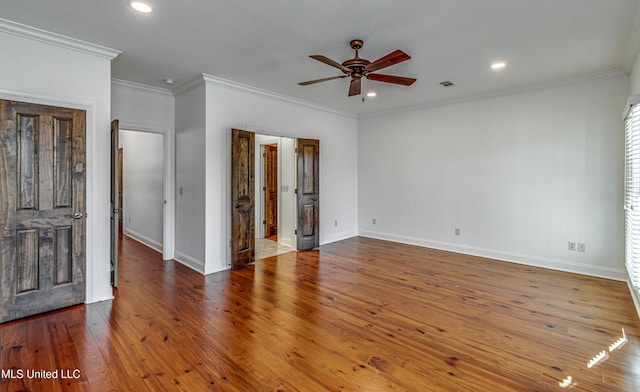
pixel 357 315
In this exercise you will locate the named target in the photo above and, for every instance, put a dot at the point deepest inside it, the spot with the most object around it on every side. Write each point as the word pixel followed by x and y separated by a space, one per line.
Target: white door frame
pixel 270 137
pixel 169 208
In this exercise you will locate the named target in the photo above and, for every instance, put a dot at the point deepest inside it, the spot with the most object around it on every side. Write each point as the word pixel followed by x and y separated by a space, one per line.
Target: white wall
pixel 520 175
pixel 634 83
pixel 78 75
pixel 228 106
pixel 142 108
pixel 190 178
pixel 143 184
pixel 152 110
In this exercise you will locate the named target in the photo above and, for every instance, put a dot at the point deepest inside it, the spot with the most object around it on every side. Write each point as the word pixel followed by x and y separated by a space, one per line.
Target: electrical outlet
pixel 457 231
pixel 581 247
pixel 572 245
pixel 335 223
pixel 374 221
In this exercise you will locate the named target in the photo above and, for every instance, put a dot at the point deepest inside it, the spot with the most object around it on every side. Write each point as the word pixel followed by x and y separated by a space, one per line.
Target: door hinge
pixel 295 150
pixel 264 154
pixel 264 222
pixel 295 232
pixel 264 188
pixel 296 191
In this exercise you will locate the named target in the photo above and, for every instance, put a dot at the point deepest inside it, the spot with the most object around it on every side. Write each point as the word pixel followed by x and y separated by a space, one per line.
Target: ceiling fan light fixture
pixel 141 7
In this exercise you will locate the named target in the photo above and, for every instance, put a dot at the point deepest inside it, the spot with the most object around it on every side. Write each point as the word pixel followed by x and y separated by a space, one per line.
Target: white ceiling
pixel 266 44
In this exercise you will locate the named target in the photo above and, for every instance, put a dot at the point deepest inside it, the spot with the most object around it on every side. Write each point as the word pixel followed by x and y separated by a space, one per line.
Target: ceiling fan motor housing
pixel 356 64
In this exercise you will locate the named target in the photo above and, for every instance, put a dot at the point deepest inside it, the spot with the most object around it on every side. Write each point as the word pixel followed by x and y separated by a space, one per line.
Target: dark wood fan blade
pixel 330 62
pixel 321 80
pixel 355 86
pixel 391 79
pixel 392 58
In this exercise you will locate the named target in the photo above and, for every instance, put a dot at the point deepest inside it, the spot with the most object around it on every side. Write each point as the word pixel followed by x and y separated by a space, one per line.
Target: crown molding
pixel 611 74
pixel 220 82
pixel 62 41
pixel 141 87
pixel 633 45
pixel 197 82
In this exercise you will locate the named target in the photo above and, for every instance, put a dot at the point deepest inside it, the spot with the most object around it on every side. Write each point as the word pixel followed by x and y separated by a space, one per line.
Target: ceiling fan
pixel 358 68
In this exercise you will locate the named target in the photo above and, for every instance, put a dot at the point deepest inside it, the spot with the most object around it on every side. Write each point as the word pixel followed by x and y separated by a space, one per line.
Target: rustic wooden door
pixel 308 194
pixel 115 200
pixel 242 198
pixel 42 209
pixel 120 160
pixel 271 191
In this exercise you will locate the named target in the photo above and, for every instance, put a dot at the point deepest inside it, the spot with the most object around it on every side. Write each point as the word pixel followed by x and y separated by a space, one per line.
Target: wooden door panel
pixel 242 198
pixel 62 260
pixel 307 220
pixel 27 250
pixel 27 146
pixel 63 155
pixel 42 183
pixel 271 191
pixel 243 157
pixel 308 172
pixel 308 178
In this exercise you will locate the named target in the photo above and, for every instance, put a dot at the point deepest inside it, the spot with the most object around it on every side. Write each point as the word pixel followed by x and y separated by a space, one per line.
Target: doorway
pixel 143 167
pixel 275 191
pixel 298 188
pixel 163 151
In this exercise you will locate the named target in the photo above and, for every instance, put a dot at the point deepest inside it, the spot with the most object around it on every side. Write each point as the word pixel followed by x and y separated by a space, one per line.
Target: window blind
pixel 632 195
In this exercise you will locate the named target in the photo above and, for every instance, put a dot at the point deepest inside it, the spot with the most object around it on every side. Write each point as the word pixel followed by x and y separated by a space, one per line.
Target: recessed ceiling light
pixel 141 7
pixel 498 65
pixel 371 94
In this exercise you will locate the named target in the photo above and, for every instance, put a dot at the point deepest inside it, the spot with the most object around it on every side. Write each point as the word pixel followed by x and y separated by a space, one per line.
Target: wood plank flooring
pixel 357 315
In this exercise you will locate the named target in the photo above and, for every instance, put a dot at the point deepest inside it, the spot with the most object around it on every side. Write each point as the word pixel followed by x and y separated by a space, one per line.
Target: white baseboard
pixel 635 295
pixel 286 241
pixel 534 261
pixel 104 293
pixel 338 237
pixel 190 262
pixel 157 246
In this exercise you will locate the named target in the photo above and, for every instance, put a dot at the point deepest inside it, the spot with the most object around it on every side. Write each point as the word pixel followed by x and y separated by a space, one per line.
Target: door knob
pixel 77 215
pixel 236 205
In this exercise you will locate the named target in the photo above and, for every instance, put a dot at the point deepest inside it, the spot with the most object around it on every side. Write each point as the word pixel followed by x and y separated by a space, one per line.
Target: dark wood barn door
pixel 308 189
pixel 115 200
pixel 42 208
pixel 271 191
pixel 242 198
